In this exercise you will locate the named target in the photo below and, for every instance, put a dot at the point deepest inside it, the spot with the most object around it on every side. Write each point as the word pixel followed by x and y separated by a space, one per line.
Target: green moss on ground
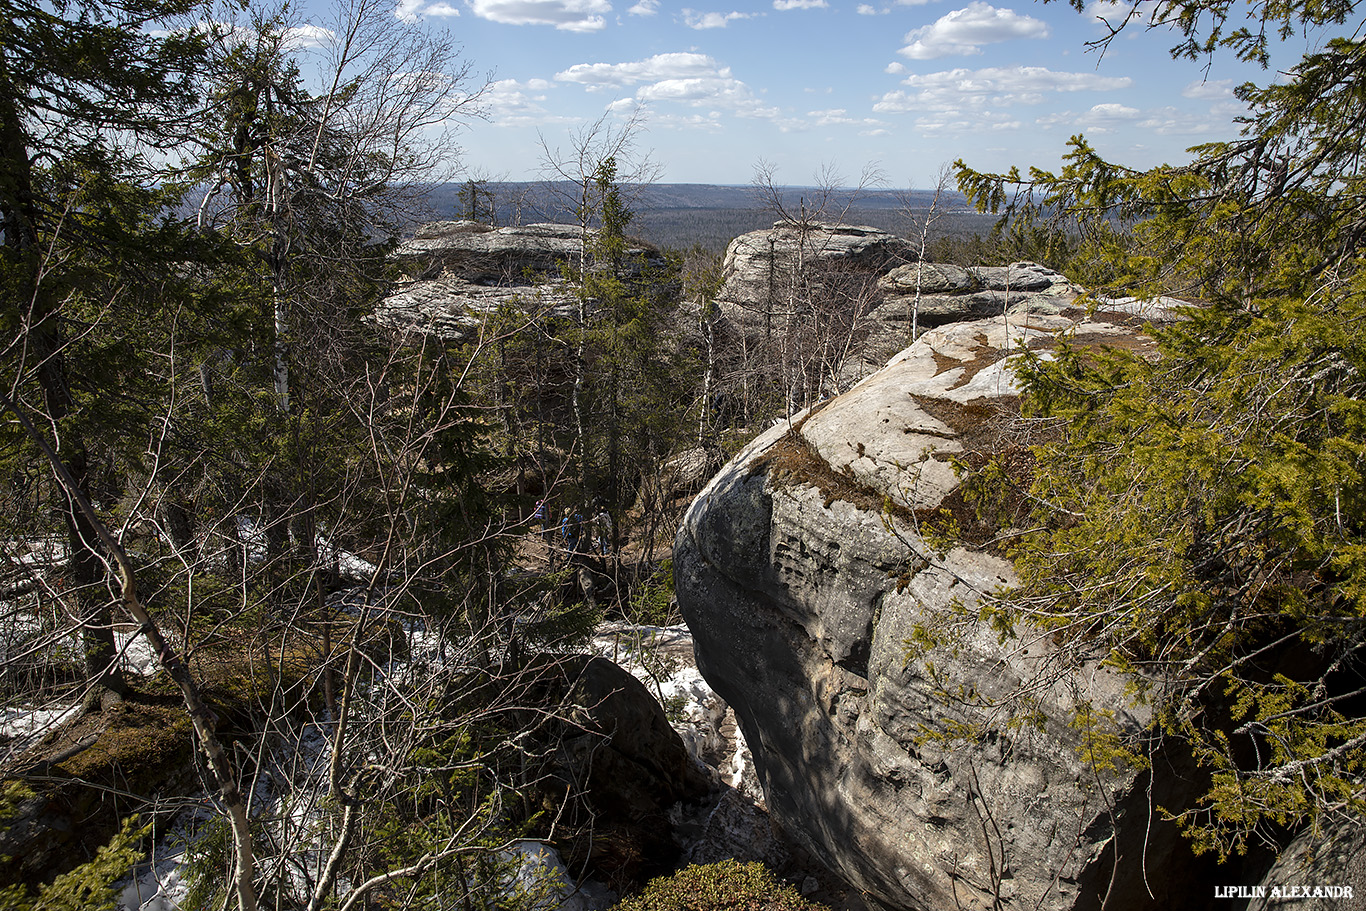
pixel 725 886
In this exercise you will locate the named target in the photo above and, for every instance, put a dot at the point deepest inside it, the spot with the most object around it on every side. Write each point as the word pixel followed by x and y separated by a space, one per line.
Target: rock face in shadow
pixel 935 779
pixel 1318 871
pixel 615 768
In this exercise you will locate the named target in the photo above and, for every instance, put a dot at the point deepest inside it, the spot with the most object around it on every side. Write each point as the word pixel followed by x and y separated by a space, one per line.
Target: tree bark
pixel 39 314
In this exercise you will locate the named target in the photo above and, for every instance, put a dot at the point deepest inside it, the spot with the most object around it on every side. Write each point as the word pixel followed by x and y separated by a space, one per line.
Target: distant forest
pixel 680 216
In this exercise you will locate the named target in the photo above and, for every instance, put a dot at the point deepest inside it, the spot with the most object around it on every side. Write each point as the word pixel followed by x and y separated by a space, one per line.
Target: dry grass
pixel 792 461
pixel 990 430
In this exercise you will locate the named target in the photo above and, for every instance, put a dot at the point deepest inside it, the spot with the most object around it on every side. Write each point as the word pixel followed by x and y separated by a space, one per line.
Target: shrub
pixel 725 886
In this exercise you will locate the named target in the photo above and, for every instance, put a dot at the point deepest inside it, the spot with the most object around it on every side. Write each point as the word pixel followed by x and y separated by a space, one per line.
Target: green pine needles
pixel 1199 514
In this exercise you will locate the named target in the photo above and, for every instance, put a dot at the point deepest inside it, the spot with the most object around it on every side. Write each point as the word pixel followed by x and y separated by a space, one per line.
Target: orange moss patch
pixel 990 430
pixel 793 460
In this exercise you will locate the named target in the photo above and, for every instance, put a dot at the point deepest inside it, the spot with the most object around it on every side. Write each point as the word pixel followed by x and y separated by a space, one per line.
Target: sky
pixel 829 86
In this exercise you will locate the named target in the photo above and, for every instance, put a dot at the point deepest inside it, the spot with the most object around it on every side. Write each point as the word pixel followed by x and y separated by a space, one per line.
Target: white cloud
pixel 1109 10
pixel 1111 14
pixel 566 15
pixel 951 122
pixel 1166 121
pixel 412 10
pixel 1057 118
pixel 696 20
pixel 963 31
pixel 894 68
pixel 785 5
pixel 709 122
pixel 1112 111
pixel 944 123
pixel 644 8
pixel 839 117
pixel 509 102
pixel 687 79
pixel 681 78
pixel 1215 90
pixel 682 64
pixel 1169 121
pixel 305 36
pixel 975 90
pixel 1103 118
pixel 697 89
pixel 866 10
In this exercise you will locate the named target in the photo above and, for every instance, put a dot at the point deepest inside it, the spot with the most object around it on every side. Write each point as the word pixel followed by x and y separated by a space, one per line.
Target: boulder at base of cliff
pixel 616 768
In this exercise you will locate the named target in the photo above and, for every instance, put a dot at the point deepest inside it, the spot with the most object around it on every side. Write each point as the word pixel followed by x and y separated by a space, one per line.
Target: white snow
pixel 347 564
pixel 22 726
pixel 160 888
pixel 661 657
pixel 543 878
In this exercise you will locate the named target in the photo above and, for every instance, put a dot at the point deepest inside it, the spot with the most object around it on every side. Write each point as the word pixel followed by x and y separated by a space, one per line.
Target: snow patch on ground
pixel 135 653
pixel 22 726
pixel 542 877
pixel 661 657
pixel 160 887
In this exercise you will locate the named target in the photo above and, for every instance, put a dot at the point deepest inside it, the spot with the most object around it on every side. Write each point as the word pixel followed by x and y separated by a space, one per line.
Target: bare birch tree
pixel 921 226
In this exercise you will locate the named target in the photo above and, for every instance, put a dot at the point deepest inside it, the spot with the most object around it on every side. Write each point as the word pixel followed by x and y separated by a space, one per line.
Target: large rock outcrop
pixel 509 255
pixel 950 778
pixel 460 273
pixel 760 267
pixel 865 285
pixel 933 294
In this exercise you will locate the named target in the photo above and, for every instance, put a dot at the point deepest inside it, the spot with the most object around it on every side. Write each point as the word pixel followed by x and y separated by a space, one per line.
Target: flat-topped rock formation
pixel 868 284
pixel 459 274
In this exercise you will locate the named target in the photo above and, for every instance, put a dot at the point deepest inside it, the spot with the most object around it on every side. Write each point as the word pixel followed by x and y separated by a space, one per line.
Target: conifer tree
pixel 1199 518
pixel 71 78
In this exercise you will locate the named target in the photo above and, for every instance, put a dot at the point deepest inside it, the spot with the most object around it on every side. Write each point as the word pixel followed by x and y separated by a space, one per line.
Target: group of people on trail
pixel 577 536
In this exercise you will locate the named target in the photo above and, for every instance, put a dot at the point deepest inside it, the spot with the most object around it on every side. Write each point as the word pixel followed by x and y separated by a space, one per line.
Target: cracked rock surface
pixel 802 590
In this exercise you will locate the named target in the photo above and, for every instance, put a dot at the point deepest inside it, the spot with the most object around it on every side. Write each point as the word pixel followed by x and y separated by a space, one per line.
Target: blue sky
pixel 907 85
